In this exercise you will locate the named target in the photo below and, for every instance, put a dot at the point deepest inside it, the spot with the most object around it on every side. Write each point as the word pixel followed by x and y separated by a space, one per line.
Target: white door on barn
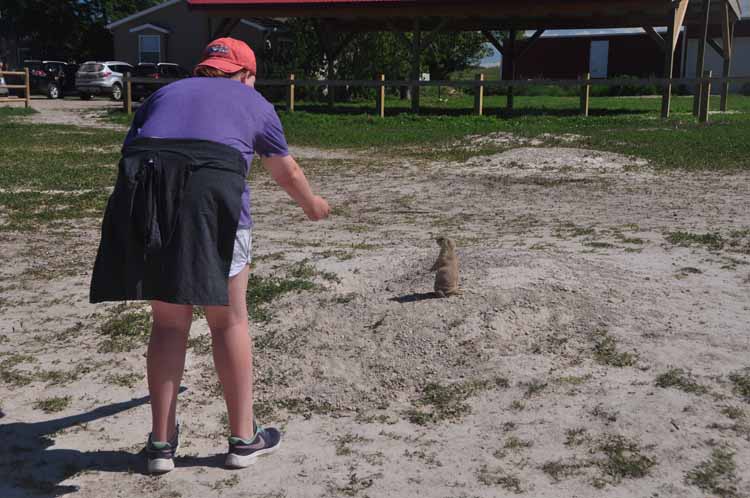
pixel 599 60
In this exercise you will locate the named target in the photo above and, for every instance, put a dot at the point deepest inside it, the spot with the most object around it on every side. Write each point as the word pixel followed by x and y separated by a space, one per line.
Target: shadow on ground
pixel 29 466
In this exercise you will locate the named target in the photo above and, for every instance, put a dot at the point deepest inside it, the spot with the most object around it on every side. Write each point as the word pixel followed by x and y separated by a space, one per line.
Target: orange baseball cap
pixel 229 55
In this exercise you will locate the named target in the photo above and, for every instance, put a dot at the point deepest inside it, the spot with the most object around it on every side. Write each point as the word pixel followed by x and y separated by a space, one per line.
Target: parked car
pixel 54 79
pixel 162 70
pixel 102 78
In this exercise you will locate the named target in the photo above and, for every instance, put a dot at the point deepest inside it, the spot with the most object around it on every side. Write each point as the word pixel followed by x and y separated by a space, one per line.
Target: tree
pixel 65 29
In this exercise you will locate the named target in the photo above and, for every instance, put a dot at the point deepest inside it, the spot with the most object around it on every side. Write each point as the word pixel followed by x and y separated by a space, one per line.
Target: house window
pixel 149 48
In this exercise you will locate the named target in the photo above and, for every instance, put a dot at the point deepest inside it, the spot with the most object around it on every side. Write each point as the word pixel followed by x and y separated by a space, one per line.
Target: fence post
pixel 585 94
pixel 28 88
pixel 705 97
pixel 381 96
pixel 127 101
pixel 290 94
pixel 479 95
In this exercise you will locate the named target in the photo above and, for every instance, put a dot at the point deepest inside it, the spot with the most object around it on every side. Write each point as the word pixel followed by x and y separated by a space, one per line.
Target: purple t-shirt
pixel 217 109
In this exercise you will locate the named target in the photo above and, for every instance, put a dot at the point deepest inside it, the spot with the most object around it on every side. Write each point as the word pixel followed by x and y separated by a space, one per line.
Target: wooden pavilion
pixel 426 18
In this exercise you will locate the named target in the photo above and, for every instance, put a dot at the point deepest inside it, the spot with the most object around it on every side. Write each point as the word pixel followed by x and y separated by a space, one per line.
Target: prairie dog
pixel 446 279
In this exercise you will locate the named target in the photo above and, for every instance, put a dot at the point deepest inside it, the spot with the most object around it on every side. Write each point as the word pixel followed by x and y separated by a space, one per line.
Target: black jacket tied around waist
pixel 169 227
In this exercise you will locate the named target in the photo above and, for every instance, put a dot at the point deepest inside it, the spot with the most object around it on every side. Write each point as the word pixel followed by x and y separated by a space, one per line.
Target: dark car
pixel 54 79
pixel 157 73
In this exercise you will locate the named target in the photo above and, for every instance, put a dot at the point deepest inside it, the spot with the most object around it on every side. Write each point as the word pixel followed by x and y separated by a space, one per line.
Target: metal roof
pixel 469 14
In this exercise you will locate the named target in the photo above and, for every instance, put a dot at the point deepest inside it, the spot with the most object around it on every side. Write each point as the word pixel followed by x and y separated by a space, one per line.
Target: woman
pixel 177 232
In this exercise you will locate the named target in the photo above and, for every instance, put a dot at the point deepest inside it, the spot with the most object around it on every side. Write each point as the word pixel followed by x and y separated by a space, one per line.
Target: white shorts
pixel 243 251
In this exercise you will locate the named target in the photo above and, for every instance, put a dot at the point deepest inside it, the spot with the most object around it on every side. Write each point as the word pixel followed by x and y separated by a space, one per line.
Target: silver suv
pixel 101 78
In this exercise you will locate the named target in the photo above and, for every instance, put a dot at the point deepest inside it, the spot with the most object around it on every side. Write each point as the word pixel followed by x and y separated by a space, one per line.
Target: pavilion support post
pixel 509 60
pixel 290 94
pixel 706 97
pixel 381 96
pixel 700 63
pixel 585 94
pixel 674 25
pixel 479 95
pixel 416 58
pixel 728 41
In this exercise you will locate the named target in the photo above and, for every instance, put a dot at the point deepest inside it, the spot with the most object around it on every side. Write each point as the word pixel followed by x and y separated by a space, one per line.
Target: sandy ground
pixel 70 111
pixel 565 268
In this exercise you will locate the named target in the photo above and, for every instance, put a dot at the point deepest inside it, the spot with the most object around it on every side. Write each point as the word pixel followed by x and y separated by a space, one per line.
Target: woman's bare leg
pixel 165 364
pixel 233 355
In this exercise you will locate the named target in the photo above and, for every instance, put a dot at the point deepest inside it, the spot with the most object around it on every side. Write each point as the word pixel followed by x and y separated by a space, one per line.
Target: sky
pixel 494 59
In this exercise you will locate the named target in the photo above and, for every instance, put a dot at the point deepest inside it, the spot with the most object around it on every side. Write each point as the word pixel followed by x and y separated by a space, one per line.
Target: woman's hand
pixel 318 209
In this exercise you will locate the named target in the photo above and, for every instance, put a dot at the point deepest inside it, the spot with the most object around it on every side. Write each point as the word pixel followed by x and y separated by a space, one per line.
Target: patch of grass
pixel 534 387
pixel 716 475
pixel 560 469
pixel 441 402
pixel 6 112
pixel 128 380
pixel 514 443
pixel 680 379
pixel 200 344
pixel 124 330
pixel 343 443
pixel 741 381
pixel 262 291
pixel 499 477
pixel 53 405
pixel 11 376
pixel 59 377
pixel 605 351
pixel 517 405
pixel 227 483
pixel 733 412
pixel 576 437
pixel 623 459
pixel 686 239
pixel 26 211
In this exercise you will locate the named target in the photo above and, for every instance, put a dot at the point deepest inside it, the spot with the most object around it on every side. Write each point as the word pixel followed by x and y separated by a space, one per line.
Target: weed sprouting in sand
pixel 685 239
pixel 128 380
pixel 741 381
pixel 623 458
pixel 125 329
pixel 54 404
pixel 680 379
pixel 438 402
pixel 560 469
pixel 262 291
pixel 716 475
pixel 497 476
pixel 605 351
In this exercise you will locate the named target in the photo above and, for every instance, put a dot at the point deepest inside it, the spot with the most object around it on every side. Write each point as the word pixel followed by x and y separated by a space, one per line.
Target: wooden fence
pixel 26 87
pixel 702 86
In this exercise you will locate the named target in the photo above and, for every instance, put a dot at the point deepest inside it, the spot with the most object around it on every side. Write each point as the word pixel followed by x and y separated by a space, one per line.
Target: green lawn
pixel 629 125
pixel 74 167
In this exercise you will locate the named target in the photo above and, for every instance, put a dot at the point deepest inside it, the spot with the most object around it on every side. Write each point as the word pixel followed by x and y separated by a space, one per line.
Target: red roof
pixel 292 2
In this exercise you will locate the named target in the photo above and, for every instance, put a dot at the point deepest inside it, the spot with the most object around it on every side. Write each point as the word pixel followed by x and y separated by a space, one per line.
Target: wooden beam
pixel 510 58
pixel 651 32
pixel 438 29
pixel 494 41
pixel 679 20
pixel 529 43
pixel 674 24
pixel 416 60
pixel 717 48
pixel 705 98
pixel 727 36
pixel 701 62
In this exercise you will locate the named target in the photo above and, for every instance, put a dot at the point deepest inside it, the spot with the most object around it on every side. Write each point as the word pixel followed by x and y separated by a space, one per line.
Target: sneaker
pixel 160 455
pixel 244 452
